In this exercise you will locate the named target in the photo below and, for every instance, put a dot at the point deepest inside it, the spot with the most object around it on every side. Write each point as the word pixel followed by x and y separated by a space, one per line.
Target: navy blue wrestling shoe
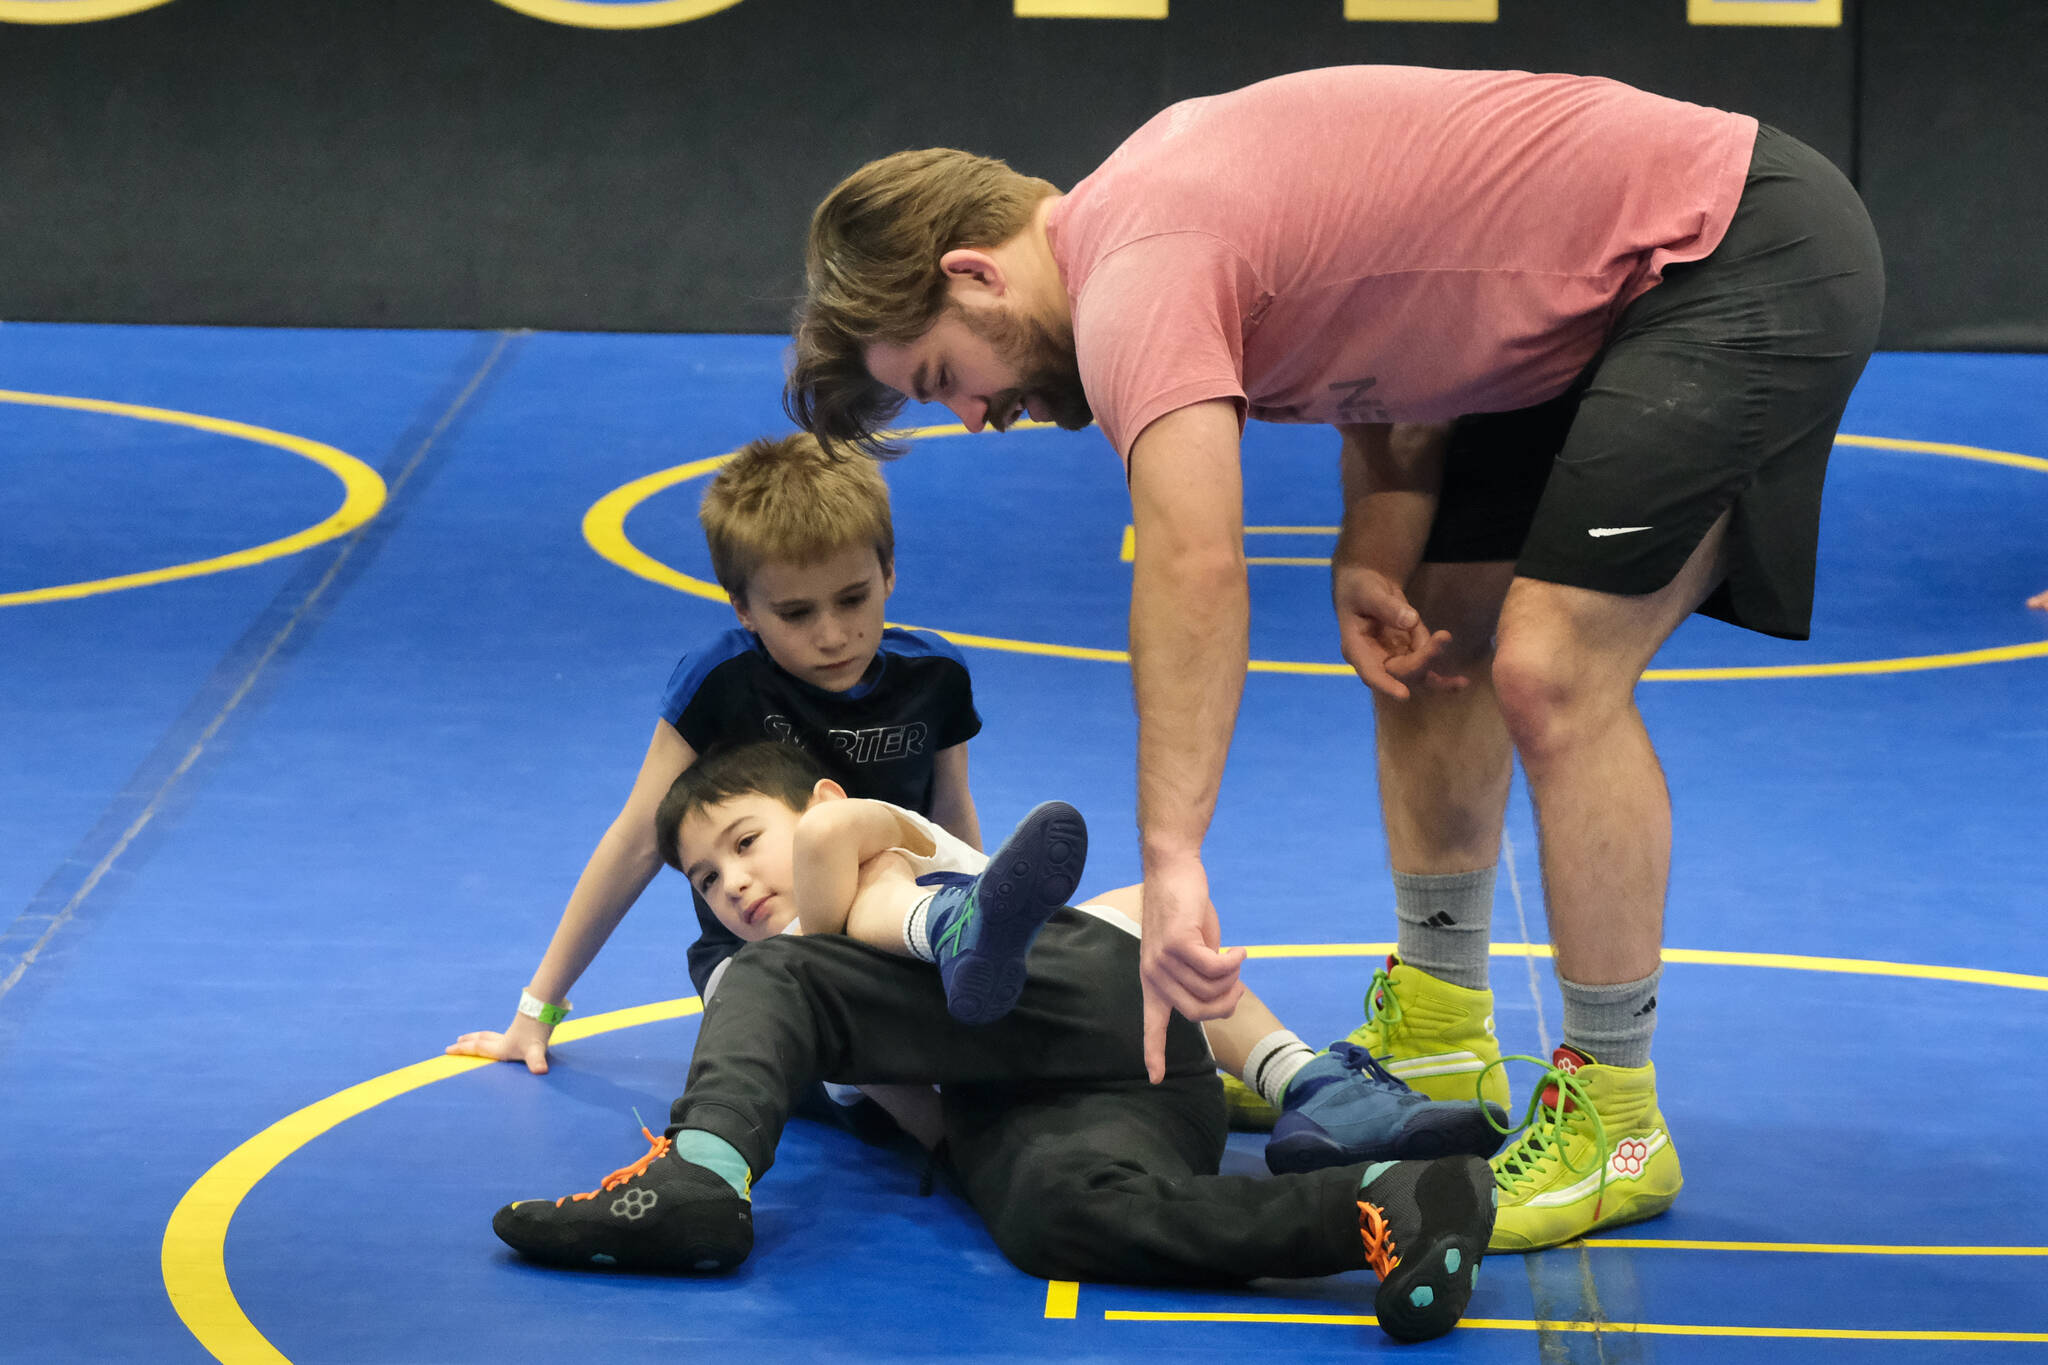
pixel 981 928
pixel 1344 1108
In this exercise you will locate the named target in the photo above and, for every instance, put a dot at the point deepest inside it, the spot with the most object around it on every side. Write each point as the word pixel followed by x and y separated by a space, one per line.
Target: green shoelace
pixel 1542 1130
pixel 1381 1003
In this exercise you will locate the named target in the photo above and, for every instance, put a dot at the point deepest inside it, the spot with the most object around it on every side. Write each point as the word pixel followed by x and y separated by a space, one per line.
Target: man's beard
pixel 1051 374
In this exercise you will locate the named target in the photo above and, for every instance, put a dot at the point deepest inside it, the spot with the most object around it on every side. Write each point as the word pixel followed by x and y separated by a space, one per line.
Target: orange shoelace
pixel 1379 1239
pixel 656 1147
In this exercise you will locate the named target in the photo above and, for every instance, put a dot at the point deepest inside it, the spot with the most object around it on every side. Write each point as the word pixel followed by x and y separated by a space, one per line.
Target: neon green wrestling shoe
pixel 1244 1108
pixel 1594 1152
pixel 1433 1035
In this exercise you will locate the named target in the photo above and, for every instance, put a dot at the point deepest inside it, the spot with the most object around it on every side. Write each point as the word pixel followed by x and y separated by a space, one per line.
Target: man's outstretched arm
pixel 1190 627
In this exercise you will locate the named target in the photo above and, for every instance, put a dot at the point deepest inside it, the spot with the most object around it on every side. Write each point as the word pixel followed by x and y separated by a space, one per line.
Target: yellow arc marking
pixel 1648 1329
pixel 1805 1248
pixel 1706 957
pixel 645 14
pixel 604 527
pixel 70 11
pixel 195 1240
pixel 362 496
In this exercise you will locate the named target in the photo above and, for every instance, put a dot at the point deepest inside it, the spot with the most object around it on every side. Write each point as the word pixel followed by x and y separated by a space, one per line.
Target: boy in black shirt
pixel 803 543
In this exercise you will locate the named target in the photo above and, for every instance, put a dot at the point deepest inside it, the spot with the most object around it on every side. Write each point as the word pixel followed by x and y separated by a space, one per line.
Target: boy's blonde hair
pixel 792 501
pixel 871 273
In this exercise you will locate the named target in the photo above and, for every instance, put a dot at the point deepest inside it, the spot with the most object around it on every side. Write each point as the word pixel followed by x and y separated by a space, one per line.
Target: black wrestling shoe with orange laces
pixel 660 1213
pixel 1425 1226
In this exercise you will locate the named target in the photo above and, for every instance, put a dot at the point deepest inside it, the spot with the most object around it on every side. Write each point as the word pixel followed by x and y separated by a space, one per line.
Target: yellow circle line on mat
pixel 645 14
pixel 195 1240
pixel 1648 1329
pixel 1707 957
pixel 71 11
pixel 1802 1248
pixel 604 527
pixel 362 496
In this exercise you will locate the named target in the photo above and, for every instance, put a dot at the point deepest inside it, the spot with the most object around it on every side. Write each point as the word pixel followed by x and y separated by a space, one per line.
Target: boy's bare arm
pixel 952 799
pixel 620 868
pixel 833 840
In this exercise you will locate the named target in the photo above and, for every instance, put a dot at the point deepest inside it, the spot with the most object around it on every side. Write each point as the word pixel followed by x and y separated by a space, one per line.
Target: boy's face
pixel 822 621
pixel 738 855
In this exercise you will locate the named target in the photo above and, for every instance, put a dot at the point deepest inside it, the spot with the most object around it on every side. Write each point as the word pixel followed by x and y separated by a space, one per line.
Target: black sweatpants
pixel 1081 1169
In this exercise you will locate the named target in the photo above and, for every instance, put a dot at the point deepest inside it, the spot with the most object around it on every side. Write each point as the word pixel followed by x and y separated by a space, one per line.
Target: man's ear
pixel 826 790
pixel 971 270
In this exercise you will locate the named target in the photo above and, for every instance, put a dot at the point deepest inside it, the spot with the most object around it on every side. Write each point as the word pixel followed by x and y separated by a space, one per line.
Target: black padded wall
pixel 1954 165
pixel 454 163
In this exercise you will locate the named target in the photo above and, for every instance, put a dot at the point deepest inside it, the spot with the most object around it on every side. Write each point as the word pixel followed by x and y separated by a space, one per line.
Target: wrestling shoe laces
pixel 961 883
pixel 1379 1239
pixel 657 1147
pixel 1559 1107
pixel 1382 1006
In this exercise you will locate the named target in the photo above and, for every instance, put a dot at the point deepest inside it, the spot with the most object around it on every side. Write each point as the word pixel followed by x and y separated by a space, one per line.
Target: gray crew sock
pixel 1446 924
pixel 1612 1024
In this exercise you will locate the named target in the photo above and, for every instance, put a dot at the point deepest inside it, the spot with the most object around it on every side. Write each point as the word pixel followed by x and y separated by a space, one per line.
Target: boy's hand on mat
pixel 1181 965
pixel 525 1041
pixel 1383 638
pixel 2039 599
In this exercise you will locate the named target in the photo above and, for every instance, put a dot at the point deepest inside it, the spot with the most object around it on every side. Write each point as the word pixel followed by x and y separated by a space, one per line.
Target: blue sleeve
pixel 686 683
pixel 955 720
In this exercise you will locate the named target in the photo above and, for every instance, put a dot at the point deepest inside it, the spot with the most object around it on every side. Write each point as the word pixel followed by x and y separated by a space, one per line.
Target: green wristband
pixel 533 1007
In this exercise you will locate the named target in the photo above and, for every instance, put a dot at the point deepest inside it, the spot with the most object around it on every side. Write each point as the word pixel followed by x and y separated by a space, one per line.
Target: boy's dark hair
pixel 760 768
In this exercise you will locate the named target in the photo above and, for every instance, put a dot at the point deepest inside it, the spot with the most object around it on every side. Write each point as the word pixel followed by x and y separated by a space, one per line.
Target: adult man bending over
pixel 1586 349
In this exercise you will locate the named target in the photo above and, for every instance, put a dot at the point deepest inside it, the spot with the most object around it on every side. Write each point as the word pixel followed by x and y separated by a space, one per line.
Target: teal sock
pixel 715 1154
pixel 1374 1172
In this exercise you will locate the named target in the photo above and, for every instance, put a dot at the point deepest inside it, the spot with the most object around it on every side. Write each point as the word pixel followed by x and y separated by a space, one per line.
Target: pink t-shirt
pixel 1382 243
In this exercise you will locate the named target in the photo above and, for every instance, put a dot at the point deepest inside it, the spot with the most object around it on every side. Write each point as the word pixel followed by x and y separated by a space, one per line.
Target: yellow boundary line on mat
pixel 194 1255
pixel 362 498
pixel 604 528
pixel 195 1239
pixel 1647 1329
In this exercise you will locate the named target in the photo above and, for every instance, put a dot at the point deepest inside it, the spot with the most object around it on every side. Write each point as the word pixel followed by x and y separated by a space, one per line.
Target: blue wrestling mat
pixel 325 657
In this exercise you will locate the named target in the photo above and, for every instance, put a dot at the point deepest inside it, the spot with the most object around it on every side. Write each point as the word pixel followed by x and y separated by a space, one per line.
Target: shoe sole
pixel 1632 1209
pixel 1031 876
pixel 1426 1293
pixel 691 1227
pixel 1459 1131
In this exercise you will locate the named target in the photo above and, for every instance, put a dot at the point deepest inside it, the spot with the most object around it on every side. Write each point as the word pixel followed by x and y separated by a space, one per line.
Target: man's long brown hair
pixel 871 274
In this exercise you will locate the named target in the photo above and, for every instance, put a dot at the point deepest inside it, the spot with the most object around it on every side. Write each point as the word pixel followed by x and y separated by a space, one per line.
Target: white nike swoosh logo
pixel 1615 530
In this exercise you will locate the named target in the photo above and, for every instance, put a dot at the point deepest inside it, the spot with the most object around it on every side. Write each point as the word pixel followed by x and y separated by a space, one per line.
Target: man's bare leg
pixel 1565 672
pixel 1444 757
pixel 1444 766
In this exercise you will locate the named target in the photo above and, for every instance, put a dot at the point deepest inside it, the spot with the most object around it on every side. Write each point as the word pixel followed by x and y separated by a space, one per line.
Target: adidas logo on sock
pixel 1440 920
pixel 1650 1008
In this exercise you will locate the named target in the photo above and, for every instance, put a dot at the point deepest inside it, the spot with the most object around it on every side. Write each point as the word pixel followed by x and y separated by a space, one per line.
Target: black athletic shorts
pixel 1720 388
